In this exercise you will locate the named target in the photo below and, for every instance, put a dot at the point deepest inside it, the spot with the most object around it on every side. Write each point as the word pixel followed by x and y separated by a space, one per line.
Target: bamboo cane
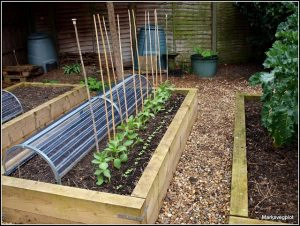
pixel 86 85
pixel 152 72
pixel 131 48
pixel 14 51
pixel 155 46
pixel 102 78
pixel 124 89
pixel 158 44
pixel 146 40
pixel 137 54
pixel 112 65
pixel 167 58
pixel 108 76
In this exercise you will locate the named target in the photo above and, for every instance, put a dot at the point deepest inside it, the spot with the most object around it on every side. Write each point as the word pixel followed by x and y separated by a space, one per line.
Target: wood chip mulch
pixel 272 172
pixel 200 190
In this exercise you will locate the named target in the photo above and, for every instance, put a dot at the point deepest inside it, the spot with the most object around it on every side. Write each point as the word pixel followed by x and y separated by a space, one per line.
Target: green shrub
pixel 264 18
pixel 280 83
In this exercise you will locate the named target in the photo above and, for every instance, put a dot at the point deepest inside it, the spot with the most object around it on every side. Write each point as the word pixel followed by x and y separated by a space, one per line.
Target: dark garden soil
pixel 33 96
pixel 123 181
pixel 272 173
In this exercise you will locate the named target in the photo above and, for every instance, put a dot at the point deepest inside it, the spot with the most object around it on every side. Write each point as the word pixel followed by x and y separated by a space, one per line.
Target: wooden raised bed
pixel 26 201
pixel 239 179
pixel 21 127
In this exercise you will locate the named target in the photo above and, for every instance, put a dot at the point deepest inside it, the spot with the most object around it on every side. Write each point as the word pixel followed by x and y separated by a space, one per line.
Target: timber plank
pixel 24 217
pixel 68 203
pixel 239 181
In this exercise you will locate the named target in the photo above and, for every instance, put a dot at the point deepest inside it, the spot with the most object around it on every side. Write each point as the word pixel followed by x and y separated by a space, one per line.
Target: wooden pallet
pixel 20 72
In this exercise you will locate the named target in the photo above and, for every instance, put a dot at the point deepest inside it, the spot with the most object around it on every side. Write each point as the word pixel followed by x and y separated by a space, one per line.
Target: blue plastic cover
pixel 11 106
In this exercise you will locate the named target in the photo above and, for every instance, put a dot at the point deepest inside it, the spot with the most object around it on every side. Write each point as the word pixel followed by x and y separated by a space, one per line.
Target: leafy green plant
pixel 127 137
pixel 206 54
pixel 101 159
pixel 72 68
pixel 94 84
pixel 280 83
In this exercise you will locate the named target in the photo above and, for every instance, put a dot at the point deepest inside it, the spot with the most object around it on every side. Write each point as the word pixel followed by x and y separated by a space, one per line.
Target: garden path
pixel 199 192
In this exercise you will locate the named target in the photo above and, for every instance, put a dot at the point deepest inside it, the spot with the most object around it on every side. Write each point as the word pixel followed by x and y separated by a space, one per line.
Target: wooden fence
pixel 210 25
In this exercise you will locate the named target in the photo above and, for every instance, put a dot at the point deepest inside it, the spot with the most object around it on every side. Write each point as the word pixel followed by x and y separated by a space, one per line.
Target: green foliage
pixel 207 54
pixel 73 68
pixel 127 137
pixel 263 18
pixel 94 84
pixel 280 84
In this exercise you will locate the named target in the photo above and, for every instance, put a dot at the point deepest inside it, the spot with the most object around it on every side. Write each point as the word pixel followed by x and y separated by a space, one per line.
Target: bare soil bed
pixel 33 96
pixel 272 172
pixel 123 181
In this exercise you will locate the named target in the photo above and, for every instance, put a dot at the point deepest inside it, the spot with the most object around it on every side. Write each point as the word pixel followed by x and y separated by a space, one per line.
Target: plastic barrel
pixel 152 50
pixel 41 51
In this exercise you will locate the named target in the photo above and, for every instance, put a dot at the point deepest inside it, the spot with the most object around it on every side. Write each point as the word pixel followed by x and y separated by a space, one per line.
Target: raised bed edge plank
pixel 239 180
pixel 21 127
pixel 61 204
pixel 239 185
pixel 65 204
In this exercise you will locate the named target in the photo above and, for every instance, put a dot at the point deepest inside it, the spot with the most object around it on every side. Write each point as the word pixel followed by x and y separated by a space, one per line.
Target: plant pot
pixel 204 67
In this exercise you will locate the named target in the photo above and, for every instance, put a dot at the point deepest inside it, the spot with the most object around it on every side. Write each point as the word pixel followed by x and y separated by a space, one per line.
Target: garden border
pixel 17 129
pixel 27 201
pixel 239 179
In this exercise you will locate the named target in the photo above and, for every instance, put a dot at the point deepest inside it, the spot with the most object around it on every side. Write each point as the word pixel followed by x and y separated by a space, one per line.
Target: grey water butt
pixel 41 51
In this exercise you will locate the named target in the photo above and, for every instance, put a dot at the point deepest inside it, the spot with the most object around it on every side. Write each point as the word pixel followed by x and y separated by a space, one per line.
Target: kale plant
pixel 280 83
